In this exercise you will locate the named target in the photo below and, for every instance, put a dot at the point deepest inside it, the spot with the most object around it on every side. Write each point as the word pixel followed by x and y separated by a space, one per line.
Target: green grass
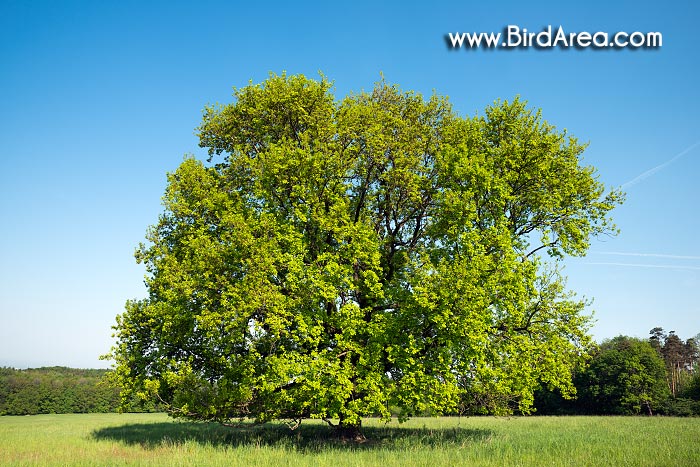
pixel 154 439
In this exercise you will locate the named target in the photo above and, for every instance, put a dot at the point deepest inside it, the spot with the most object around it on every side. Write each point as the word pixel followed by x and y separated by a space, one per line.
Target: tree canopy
pixel 338 258
pixel 626 376
pixel 681 358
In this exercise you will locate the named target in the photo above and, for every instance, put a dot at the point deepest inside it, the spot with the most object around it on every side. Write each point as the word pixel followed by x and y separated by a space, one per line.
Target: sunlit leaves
pixel 344 257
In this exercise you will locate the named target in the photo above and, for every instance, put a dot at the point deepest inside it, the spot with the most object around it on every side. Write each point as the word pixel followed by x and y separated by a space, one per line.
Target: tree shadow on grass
pixel 311 437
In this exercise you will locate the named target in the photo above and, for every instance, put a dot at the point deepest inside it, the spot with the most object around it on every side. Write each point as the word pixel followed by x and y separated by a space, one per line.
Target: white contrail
pixel 648 255
pixel 652 171
pixel 657 266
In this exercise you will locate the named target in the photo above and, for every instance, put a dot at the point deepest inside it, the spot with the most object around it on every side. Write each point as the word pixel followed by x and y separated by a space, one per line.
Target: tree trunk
pixel 350 432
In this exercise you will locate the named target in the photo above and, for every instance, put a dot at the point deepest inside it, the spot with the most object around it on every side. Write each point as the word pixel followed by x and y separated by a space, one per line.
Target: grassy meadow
pixel 154 439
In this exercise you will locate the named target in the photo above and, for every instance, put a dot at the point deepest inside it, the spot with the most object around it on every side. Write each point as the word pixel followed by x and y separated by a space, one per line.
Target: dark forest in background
pixel 629 376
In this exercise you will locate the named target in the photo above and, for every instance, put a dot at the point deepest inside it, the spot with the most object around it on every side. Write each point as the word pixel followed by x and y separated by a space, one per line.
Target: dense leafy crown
pixel 626 376
pixel 345 259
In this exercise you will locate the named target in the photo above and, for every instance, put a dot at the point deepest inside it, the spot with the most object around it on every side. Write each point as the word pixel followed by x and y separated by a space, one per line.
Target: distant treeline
pixel 59 390
pixel 629 376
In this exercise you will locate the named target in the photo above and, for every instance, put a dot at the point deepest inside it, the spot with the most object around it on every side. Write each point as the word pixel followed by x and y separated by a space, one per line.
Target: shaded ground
pixel 309 437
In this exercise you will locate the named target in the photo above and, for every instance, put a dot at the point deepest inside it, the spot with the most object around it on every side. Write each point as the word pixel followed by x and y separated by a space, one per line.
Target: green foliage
pixel 55 390
pixel 688 400
pixel 625 376
pixel 681 359
pixel 616 369
pixel 692 390
pixel 680 407
pixel 347 257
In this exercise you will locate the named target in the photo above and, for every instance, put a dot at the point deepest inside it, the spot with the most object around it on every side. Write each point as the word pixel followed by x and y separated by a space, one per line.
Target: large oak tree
pixel 338 258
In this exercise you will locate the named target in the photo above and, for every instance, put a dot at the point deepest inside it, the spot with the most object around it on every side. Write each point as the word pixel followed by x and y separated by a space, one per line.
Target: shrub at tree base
pixel 344 257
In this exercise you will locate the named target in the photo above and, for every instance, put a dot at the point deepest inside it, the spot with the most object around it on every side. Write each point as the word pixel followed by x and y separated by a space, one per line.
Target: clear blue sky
pixel 98 100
